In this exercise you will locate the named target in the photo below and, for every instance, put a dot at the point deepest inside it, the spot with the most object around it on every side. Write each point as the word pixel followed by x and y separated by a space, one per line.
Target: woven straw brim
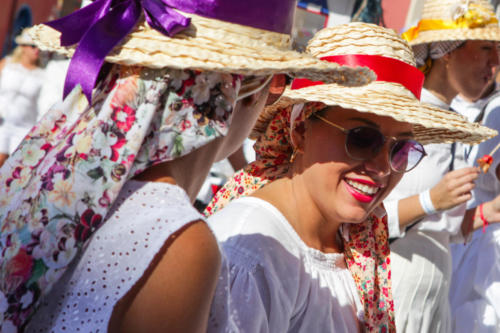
pixel 489 33
pixel 214 45
pixel 431 124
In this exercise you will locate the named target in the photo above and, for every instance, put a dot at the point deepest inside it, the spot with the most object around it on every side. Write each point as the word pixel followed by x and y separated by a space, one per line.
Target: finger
pixel 465 188
pixel 463 171
pixel 463 198
pixel 465 179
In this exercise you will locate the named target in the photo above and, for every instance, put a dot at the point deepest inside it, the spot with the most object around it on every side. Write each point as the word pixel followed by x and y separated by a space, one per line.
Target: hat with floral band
pixel 395 93
pixel 225 35
pixel 452 21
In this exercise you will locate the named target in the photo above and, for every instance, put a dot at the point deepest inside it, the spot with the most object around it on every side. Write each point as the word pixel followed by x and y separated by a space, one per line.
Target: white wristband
pixel 426 203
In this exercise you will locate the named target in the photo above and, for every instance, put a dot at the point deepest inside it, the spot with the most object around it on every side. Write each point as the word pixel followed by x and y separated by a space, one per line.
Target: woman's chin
pixel 355 215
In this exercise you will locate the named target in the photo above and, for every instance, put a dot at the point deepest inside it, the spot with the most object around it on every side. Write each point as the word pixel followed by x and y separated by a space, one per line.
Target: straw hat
pixel 431 124
pixel 24 38
pixel 455 20
pixel 218 44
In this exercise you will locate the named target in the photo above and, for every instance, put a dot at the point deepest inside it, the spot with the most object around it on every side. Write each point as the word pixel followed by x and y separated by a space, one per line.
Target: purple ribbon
pixel 100 26
pixel 103 24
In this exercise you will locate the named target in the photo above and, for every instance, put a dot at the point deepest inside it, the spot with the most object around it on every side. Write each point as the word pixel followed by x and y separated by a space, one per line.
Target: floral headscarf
pixel 366 246
pixel 57 187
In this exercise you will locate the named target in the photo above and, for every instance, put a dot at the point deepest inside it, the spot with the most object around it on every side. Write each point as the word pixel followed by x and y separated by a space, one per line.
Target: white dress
pixel 19 91
pixel 475 284
pixel 143 217
pixel 421 259
pixel 271 281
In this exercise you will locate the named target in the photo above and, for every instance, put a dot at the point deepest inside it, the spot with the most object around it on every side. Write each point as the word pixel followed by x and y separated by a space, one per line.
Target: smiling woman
pixel 308 250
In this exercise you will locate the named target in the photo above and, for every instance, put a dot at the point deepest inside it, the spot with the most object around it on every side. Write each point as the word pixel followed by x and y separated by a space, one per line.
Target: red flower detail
pixel 187 83
pixel 118 113
pixel 120 142
pixel 19 268
pixel 89 221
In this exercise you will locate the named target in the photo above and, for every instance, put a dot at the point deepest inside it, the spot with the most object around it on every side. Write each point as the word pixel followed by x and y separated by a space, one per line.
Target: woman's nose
pixel 380 164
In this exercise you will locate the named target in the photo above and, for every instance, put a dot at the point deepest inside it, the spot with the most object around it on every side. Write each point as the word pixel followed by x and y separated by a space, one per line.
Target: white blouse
pixel 19 91
pixel 271 281
pixel 475 286
pixel 421 260
pixel 427 174
pixel 143 217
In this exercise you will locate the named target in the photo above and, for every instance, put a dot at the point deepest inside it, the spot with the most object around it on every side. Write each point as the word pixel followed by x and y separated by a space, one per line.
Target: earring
pixel 294 155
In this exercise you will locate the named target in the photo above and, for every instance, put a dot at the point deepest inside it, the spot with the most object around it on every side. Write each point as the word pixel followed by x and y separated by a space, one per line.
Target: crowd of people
pixel 371 205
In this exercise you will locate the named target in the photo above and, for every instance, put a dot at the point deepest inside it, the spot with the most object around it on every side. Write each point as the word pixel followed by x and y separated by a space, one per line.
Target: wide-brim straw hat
pixel 431 124
pixel 218 45
pixel 24 38
pixel 452 20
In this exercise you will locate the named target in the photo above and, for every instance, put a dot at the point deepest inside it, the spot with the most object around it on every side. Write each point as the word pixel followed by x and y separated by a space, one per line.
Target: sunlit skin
pixel 466 70
pixel 316 199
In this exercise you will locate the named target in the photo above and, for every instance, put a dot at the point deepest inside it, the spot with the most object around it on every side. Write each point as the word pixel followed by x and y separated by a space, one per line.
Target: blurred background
pixel 311 15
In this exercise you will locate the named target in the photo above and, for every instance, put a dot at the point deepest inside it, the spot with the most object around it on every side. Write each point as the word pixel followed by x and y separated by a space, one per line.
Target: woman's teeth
pixel 366 189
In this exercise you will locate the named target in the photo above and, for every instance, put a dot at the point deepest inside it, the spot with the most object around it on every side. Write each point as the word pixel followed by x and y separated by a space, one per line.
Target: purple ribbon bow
pixel 100 26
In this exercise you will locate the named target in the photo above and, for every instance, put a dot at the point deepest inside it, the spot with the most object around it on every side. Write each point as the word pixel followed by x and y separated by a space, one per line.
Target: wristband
pixel 426 203
pixel 481 215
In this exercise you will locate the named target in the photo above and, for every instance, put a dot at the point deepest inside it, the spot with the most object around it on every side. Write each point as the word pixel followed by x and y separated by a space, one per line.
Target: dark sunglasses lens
pixel 364 142
pixel 406 154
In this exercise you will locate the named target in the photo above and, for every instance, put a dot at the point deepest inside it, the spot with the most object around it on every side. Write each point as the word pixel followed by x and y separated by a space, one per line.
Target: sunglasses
pixel 363 143
pixel 253 84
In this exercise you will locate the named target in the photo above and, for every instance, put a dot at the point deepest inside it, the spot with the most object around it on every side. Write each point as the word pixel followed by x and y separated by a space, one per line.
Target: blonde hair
pixel 17 54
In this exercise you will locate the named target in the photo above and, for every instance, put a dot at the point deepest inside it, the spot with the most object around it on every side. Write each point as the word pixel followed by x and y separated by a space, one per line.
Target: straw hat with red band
pixel 395 93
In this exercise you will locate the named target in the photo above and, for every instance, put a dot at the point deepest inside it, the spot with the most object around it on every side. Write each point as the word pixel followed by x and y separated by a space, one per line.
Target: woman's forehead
pixel 385 124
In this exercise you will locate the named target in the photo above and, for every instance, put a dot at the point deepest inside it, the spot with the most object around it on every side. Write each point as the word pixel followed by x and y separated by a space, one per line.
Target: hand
pixel 491 210
pixel 454 188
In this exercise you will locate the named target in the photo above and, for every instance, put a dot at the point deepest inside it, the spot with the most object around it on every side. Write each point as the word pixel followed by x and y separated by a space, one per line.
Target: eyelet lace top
pixel 116 256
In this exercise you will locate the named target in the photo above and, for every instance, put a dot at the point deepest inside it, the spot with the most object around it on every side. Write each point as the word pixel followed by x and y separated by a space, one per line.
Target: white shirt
pixel 19 91
pixel 475 284
pixel 271 281
pixel 421 260
pixel 141 220
pixel 53 85
pixel 427 174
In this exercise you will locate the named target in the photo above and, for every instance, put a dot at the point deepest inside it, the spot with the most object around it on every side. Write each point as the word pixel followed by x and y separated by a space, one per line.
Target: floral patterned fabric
pixel 57 187
pixel 366 246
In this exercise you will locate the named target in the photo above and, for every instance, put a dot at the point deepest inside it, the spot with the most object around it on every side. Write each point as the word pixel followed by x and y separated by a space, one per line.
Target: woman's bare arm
pixel 175 293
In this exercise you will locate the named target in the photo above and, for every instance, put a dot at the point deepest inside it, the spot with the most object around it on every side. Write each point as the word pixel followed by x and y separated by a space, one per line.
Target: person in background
pixel 455 46
pixel 21 78
pixel 475 296
pixel 97 227
pixel 53 83
pixel 304 233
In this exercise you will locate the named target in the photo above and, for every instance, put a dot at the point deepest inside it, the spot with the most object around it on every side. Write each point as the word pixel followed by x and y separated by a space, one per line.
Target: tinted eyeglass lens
pixel 405 155
pixel 364 142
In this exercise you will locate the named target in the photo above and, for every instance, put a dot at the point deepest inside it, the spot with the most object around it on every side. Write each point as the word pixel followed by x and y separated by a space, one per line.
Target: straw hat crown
pixel 455 10
pixel 395 97
pixel 450 20
pixel 360 38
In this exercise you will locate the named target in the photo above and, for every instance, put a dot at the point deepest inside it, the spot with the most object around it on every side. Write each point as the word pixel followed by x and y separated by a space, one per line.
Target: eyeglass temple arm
pixel 330 123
